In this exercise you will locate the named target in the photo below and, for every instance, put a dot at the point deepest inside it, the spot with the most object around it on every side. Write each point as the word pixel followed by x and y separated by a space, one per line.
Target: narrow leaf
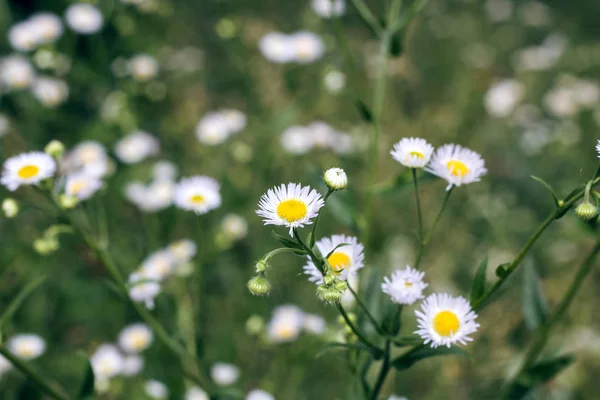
pixel 547 186
pixel 420 353
pixel 347 346
pixel 87 385
pixel 286 241
pixel 21 297
pixel 364 111
pixel 478 287
pixel 337 247
pixel 538 375
pixel 535 309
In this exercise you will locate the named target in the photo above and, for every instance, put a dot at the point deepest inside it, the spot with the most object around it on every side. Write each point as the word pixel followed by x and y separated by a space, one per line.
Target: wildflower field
pixel 308 199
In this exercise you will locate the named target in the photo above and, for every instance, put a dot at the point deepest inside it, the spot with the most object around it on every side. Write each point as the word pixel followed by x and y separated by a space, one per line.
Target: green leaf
pixel 376 353
pixel 392 319
pixel 21 297
pixel 478 287
pixel 286 241
pixel 535 309
pixel 364 111
pixel 547 186
pixel 335 248
pixel 420 353
pixel 538 375
pixel 87 386
pixel 407 341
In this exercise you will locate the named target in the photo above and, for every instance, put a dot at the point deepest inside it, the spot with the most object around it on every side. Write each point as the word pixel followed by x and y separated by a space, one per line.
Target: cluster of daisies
pixel 26 346
pixel 302 47
pixel 216 127
pixel 299 139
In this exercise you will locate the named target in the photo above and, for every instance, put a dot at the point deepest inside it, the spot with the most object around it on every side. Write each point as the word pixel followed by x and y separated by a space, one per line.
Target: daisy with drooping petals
pixel 412 152
pixel 198 193
pixel 82 185
pixel 405 286
pixel 344 260
pixel 445 320
pixel 458 165
pixel 293 206
pixel 27 169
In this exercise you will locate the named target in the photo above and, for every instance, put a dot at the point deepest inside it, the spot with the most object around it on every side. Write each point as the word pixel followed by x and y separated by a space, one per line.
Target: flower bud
pixel 262 266
pixel 67 202
pixel 586 211
pixel 335 179
pixel 340 286
pixel 328 294
pixel 10 207
pixel 55 149
pixel 259 286
pixel 45 246
pixel 329 279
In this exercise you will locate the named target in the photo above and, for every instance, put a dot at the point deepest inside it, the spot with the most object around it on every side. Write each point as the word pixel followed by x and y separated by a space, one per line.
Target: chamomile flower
pixel 136 147
pixel 445 320
pixel 84 18
pixel 412 152
pixel 235 227
pixel 46 26
pixel 156 390
pixel 405 286
pixel 135 338
pixel 27 346
pixel 164 171
pixel 107 361
pixel 292 206
pixel 344 260
pixel 156 196
pixel 296 140
pixel 198 193
pixel 82 185
pixel 27 169
pixel 258 394
pixel 224 374
pixel 457 165
pixel 277 47
pixel 286 324
pixel 22 36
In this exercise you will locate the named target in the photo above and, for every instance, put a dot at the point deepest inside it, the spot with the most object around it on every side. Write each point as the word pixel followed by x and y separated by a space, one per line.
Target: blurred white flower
pixel 132 365
pixel 47 27
pixel 499 10
pixel 51 92
pixel 216 127
pixel 4 125
pixel 328 8
pixel 561 102
pixel 286 324
pixel 502 98
pixel 142 67
pixel 27 346
pixel 405 286
pixel 224 374
pixel 396 397
pixel 334 81
pixel 88 157
pixel 196 393
pixel 323 135
pixel 156 196
pixel 143 289
pixel 234 226
pixel 136 147
pixel 106 361
pixel 308 47
pixel 5 365
pixel 84 18
pixel 277 47
pixel 135 338
pixel 16 72
pixel 183 250
pixel 258 394
pixel 27 169
pixel 156 389
pixel 296 140
pixel 314 324
pixel 22 37
pixel 197 193
pixel 158 265
pixel 82 185
pixel 164 171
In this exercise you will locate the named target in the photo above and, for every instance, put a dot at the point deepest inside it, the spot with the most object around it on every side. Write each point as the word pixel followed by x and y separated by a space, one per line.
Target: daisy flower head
pixel 143 67
pixel 196 393
pixel 412 152
pixel 277 47
pixel 27 169
pixel 198 193
pixel 292 206
pixel 107 361
pixel 82 185
pixel 308 47
pixel 89 157
pixel 136 147
pixel 457 165
pixel 345 260
pixel 143 289
pixel 405 286
pixel 47 27
pixel 445 320
pixel 84 18
pixel 286 324
pixel 135 338
pixel 22 37
pixel 50 92
pixel 224 374
pixel 27 346
pixel 158 265
pixel 16 72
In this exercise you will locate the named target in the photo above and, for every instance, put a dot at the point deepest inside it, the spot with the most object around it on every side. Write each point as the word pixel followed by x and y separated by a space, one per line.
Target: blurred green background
pixel 449 58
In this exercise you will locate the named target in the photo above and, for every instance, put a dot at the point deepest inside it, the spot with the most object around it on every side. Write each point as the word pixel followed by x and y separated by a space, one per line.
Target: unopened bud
pixel 55 149
pixel 335 179
pixel 329 279
pixel 45 246
pixel 262 266
pixel 328 294
pixel 340 286
pixel 259 286
pixel 586 211
pixel 67 202
pixel 10 207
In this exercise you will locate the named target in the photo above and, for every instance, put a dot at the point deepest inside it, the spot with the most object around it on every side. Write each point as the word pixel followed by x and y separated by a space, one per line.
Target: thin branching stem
pixel 425 240
pixel 367 312
pixel 355 329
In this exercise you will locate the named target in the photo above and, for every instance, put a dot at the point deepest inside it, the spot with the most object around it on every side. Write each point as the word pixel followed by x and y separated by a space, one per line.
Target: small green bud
pixel 254 325
pixel 67 202
pixel 10 207
pixel 328 294
pixel 329 279
pixel 45 246
pixel 259 286
pixel 262 266
pixel 340 286
pixel 586 211
pixel 55 149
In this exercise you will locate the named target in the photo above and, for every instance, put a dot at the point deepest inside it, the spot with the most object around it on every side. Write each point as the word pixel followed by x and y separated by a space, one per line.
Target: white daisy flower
pixel 143 289
pixel 405 286
pixel 27 169
pixel 142 67
pixel 328 8
pixel 196 393
pixel 235 120
pixel 277 47
pixel 183 250
pixel 234 226
pixel 314 324
pixel 412 152
pixel 216 127
pixel 323 135
pixel 286 324
pixel 46 26
pixel 84 18
pixel 16 72
pixel 88 157
pixel 27 346
pixel 132 365
pixel 344 260
pixel 224 374
pixel 308 47
pixel 158 265
pixel 135 338
pixel 4 125
pixel 50 92
pixel 157 196
pixel 502 98
pixel 107 361
pixel 458 165
pixel 293 206
pixel 258 394
pixel 296 140
pixel 445 320
pixel 396 397
pixel 82 185
pixel 136 147
pixel 22 36
pixel 198 193
pixel 156 389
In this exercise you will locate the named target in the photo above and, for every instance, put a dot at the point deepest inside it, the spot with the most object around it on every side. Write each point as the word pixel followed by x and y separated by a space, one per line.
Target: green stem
pixel 425 240
pixel 367 15
pixel 45 386
pixel 271 254
pixel 543 332
pixel 314 229
pixel 367 312
pixel 418 201
pixel 355 330
pixel 318 263
pixel 385 368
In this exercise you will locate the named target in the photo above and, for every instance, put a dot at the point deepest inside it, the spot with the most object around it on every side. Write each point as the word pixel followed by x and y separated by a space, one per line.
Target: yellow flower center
pixel 28 171
pixel 291 210
pixel 26 350
pixel 339 261
pixel 457 168
pixel 139 340
pixel 408 284
pixel 197 199
pixel 78 187
pixel 417 154
pixel 286 332
pixel 445 323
